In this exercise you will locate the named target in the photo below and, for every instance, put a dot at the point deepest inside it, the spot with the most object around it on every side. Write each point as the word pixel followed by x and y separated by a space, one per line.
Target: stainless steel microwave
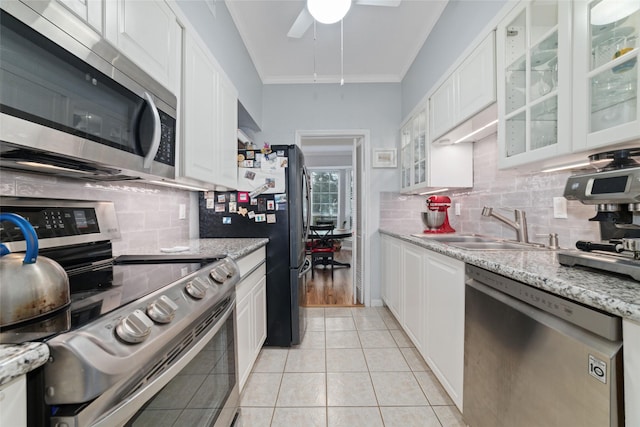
pixel 71 105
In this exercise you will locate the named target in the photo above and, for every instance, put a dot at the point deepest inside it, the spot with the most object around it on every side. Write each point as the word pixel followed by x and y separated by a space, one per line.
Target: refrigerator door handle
pixel 306 267
pixel 305 174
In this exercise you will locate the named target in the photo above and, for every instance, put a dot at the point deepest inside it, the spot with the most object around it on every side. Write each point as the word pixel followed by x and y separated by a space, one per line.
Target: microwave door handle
pixel 155 137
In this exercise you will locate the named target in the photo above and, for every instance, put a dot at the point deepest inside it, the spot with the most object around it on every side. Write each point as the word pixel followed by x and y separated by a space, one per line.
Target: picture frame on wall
pixel 384 158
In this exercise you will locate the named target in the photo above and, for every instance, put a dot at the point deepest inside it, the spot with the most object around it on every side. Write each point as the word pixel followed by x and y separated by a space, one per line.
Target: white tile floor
pixel 355 367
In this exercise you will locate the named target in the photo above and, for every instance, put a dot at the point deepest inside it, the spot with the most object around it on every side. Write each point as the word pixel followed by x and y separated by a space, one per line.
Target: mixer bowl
pixel 433 219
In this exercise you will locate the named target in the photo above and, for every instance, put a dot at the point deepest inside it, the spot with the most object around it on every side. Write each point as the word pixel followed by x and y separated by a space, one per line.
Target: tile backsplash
pixel 147 214
pixel 504 190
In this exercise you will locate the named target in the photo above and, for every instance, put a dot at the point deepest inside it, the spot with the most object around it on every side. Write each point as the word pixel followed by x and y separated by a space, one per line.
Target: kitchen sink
pixel 496 246
pixel 473 238
pixel 476 242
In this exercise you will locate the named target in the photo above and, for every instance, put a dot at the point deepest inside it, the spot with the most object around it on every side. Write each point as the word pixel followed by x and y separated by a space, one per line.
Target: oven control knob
pixel 197 288
pixel 218 274
pixel 134 328
pixel 229 269
pixel 162 310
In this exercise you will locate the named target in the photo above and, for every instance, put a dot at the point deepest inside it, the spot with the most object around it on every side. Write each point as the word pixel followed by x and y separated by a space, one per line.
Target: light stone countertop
pixel 19 359
pixel 541 269
pixel 234 247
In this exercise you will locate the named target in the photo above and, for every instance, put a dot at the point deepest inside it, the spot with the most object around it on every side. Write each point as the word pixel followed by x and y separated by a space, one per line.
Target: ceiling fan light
pixel 328 11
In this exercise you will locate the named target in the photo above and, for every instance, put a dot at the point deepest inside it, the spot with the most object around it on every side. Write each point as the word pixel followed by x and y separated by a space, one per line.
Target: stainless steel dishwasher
pixel 534 359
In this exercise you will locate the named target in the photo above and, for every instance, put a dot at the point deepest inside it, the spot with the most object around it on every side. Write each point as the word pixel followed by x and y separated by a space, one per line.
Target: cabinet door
pixel 227 155
pixel 244 338
pixel 148 33
pixel 406 157
pixel 200 114
pixel 534 83
pixel 13 402
pixel 476 80
pixel 444 310
pixel 442 108
pixel 259 296
pixel 90 11
pixel 391 276
pixel 413 286
pixel 606 74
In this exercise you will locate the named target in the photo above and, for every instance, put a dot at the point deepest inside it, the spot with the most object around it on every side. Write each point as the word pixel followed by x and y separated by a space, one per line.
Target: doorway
pixel 339 154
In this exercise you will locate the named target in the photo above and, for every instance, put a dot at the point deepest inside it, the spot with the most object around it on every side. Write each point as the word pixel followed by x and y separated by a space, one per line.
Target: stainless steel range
pixel 614 189
pixel 151 337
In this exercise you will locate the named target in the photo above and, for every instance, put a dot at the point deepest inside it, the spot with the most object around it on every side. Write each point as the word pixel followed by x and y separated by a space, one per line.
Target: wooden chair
pixel 321 247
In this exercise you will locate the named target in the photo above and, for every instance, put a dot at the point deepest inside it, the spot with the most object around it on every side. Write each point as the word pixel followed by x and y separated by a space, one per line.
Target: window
pixel 325 196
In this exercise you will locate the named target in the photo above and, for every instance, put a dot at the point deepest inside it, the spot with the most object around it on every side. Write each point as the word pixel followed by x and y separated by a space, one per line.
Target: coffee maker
pixel 614 190
pixel 436 218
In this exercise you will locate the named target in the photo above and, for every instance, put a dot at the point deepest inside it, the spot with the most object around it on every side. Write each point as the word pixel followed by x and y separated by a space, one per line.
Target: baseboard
pixel 377 303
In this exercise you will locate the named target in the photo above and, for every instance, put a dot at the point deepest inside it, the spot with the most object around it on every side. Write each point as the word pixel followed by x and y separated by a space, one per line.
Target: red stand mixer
pixel 436 218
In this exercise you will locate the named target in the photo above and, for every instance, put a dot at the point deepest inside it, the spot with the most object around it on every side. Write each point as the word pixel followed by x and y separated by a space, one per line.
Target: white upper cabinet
pixel 606 73
pixel 90 11
pixel 534 87
pixel 148 33
pixel 470 89
pixel 429 165
pixel 210 119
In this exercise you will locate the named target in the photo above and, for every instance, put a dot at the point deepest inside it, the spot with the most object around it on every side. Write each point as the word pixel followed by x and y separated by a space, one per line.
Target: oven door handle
pixel 122 412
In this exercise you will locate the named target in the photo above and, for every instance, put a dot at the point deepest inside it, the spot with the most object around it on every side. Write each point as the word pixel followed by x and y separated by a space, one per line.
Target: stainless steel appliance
pixel 151 336
pixel 614 189
pixel 72 105
pixel 287 264
pixel 534 359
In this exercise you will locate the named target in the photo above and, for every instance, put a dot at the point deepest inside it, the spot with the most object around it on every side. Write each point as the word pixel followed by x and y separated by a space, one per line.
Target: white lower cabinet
pixel 425 291
pixel 13 402
pixel 391 274
pixel 251 316
pixel 444 312
pixel 413 296
pixel 631 367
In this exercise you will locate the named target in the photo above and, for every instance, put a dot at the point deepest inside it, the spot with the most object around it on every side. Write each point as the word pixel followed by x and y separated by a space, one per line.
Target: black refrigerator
pixel 280 213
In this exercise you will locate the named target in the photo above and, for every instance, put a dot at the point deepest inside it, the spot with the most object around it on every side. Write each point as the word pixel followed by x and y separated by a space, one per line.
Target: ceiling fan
pixel 304 20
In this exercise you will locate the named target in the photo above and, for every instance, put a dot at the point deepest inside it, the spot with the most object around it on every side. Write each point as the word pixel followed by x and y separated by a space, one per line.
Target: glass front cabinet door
pixel 606 73
pixel 534 88
pixel 413 152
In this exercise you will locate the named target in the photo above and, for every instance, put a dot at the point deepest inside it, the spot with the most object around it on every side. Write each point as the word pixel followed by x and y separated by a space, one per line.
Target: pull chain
pixel 315 75
pixel 341 52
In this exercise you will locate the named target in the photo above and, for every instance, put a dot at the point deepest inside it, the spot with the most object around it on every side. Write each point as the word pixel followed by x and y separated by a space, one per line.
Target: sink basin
pixel 457 238
pixel 476 242
pixel 495 246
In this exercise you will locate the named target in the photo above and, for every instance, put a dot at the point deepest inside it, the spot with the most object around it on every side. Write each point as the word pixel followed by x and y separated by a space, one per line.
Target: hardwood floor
pixel 324 292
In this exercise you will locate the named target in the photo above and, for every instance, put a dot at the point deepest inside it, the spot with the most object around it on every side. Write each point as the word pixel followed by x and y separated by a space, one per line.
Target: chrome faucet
pixel 520 224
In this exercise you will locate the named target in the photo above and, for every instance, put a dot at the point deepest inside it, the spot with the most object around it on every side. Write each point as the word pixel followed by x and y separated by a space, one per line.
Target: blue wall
pixel 460 23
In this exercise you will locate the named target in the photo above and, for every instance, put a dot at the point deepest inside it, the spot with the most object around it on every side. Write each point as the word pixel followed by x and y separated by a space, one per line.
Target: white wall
pixel 147 214
pixel 508 189
pixel 460 23
pixel 372 107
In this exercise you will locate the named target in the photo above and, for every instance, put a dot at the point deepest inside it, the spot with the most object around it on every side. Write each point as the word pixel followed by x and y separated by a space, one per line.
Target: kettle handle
pixel 30 236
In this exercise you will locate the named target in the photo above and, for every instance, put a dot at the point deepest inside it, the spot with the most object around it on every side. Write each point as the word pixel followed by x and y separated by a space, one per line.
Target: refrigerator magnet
pixel 261 217
pixel 250 175
pixel 254 202
pixel 220 207
pixel 210 203
pixel 233 207
pixel 226 220
pixel 242 211
pixel 280 198
pixel 262 205
pixel 243 197
pixel 251 214
pixel 280 153
pixel 250 155
pixel 270 205
pixel 232 197
pixel 222 198
pixel 271 218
